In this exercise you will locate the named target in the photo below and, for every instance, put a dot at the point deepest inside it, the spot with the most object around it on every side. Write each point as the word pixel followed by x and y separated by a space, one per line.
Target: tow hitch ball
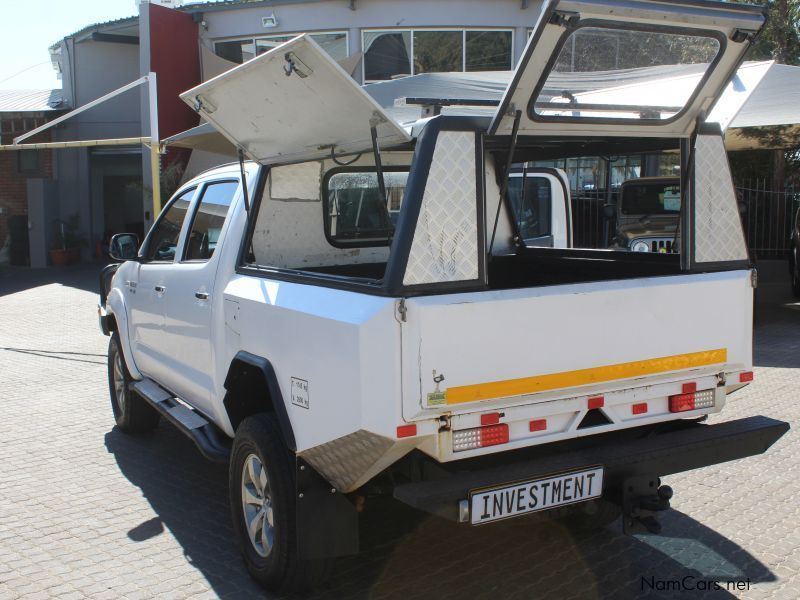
pixel 642 498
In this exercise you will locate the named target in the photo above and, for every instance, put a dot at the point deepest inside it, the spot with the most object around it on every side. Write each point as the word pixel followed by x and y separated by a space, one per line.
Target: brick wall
pixel 13 183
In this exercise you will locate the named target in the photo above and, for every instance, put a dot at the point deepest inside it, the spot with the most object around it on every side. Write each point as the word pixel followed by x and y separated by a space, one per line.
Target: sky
pixel 29 27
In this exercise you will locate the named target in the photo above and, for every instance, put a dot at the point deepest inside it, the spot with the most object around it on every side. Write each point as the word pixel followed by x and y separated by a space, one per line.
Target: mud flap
pixel 327 522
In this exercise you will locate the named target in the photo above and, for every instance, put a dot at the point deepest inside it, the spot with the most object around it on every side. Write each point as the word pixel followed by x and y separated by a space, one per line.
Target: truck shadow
pixel 409 555
pixel 84 276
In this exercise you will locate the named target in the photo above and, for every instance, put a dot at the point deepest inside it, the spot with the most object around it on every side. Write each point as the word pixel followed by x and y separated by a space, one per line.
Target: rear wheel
pixel 132 413
pixel 262 497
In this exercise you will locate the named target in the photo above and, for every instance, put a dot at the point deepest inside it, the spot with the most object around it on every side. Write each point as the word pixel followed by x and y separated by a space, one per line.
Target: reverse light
pixel 480 437
pixel 693 401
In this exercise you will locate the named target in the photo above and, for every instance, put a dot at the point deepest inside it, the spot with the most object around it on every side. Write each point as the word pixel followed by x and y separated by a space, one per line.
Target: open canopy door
pixel 291 104
pixel 627 67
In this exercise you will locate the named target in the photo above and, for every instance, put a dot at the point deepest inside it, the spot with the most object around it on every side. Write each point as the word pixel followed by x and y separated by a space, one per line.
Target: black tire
pixel 795 274
pixel 280 570
pixel 132 413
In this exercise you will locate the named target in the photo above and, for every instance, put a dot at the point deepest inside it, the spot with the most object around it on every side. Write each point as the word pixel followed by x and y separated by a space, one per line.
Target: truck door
pixel 188 303
pixel 149 287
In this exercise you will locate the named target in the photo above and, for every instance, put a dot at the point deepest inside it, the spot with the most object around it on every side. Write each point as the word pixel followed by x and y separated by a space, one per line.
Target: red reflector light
pixel 490 419
pixel 538 425
pixel 406 430
pixel 638 409
pixel 689 388
pixel 480 437
pixel 746 376
pixel 596 402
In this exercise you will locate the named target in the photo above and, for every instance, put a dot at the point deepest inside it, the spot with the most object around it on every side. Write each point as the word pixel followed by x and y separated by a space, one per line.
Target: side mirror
pixel 124 246
pixel 609 211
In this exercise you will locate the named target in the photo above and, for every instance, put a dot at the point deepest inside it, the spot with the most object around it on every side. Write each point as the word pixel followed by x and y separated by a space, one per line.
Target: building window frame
pixel 411 30
pixel 253 39
pixel 35 171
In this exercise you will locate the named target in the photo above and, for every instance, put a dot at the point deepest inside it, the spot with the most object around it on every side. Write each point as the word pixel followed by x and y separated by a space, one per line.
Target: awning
pixel 203 137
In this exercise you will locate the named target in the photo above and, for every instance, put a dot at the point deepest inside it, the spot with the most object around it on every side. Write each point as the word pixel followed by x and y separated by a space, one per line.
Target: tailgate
pixel 486 350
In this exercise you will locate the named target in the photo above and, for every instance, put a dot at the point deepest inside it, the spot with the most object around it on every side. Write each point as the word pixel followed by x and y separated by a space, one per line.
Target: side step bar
pixel 208 439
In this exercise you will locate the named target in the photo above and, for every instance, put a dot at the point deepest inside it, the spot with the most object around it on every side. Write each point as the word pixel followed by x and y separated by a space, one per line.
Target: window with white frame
pixel 392 53
pixel 239 51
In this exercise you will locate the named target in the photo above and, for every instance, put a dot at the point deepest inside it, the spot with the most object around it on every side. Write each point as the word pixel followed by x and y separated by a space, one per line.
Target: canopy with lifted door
pixel 292 104
pixel 663 66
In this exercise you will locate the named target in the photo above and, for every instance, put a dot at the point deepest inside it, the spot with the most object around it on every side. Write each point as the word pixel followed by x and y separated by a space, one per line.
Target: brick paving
pixel 86 511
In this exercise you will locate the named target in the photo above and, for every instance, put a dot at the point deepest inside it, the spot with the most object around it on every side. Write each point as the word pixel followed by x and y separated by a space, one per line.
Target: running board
pixel 208 439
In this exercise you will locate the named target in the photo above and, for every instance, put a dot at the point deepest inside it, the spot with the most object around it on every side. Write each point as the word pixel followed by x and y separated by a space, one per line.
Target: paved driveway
pixel 86 511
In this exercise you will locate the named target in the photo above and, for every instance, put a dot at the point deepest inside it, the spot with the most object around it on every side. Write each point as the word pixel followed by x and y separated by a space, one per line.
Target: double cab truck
pixel 357 306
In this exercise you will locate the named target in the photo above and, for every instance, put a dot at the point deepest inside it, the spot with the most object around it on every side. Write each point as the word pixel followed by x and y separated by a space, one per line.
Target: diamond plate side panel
pixel 300 181
pixel 346 460
pixel 718 226
pixel 445 244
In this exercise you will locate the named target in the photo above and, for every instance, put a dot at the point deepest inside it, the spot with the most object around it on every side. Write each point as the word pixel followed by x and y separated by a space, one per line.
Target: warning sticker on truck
pixel 300 392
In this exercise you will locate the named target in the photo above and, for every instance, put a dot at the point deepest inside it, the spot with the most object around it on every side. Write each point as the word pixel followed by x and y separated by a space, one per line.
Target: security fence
pixel 768 217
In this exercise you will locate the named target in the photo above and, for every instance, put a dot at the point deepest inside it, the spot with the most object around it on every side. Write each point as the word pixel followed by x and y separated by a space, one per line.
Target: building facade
pixel 106 187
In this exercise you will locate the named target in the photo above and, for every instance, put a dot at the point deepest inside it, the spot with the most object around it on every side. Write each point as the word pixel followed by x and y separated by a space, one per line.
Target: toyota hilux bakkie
pixel 355 309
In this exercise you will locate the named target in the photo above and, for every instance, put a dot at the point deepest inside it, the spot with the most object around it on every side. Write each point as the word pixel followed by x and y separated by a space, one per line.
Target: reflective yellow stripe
pixel 567 379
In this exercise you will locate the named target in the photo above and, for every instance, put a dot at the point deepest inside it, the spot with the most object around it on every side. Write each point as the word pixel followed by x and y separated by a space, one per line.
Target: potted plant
pixel 67 242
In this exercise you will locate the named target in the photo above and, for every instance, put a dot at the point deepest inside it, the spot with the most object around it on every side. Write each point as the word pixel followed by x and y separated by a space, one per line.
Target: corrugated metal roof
pixel 31 100
pixel 97 26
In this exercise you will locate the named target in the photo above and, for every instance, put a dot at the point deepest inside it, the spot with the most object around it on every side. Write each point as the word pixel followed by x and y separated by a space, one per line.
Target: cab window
pixel 532 204
pixel 209 219
pixel 164 238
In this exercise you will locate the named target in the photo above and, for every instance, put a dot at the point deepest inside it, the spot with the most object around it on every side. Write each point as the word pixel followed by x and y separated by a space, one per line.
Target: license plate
pixel 535 495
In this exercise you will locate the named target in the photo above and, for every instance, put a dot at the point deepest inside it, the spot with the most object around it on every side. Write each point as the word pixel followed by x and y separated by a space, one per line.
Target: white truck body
pixel 434 327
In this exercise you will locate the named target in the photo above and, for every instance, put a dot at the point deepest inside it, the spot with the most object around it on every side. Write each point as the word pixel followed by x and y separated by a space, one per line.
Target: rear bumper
pixel 684 447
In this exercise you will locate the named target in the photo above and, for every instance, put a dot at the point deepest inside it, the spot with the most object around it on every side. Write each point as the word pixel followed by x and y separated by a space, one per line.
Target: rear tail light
pixel 480 437
pixel 745 377
pixel 694 401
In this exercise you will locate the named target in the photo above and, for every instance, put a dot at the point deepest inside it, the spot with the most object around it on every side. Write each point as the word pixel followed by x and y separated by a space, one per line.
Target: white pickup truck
pixel 356 308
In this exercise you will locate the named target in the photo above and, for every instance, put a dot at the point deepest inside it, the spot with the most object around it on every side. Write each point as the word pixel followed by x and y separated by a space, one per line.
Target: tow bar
pixel 642 498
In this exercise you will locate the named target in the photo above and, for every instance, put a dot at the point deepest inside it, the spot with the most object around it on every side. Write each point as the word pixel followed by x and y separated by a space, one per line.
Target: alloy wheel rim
pixel 259 518
pixel 119 382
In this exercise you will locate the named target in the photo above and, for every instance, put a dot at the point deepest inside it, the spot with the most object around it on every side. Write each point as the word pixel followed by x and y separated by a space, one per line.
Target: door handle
pixel 201 295
pixel 160 289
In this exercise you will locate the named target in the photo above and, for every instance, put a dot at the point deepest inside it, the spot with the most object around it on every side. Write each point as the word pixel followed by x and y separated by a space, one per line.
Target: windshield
pixel 604 72
pixel 651 198
pixel 353 209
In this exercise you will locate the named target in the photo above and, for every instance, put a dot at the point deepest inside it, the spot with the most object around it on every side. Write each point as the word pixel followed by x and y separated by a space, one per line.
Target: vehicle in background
pixel 647 215
pixel 794 255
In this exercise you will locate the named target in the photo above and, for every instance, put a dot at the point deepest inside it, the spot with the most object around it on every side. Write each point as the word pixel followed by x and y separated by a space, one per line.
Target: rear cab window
pixel 353 211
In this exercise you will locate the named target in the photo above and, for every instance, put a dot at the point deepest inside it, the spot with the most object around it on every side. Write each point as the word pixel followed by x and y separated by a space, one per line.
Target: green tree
pixel 780 39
